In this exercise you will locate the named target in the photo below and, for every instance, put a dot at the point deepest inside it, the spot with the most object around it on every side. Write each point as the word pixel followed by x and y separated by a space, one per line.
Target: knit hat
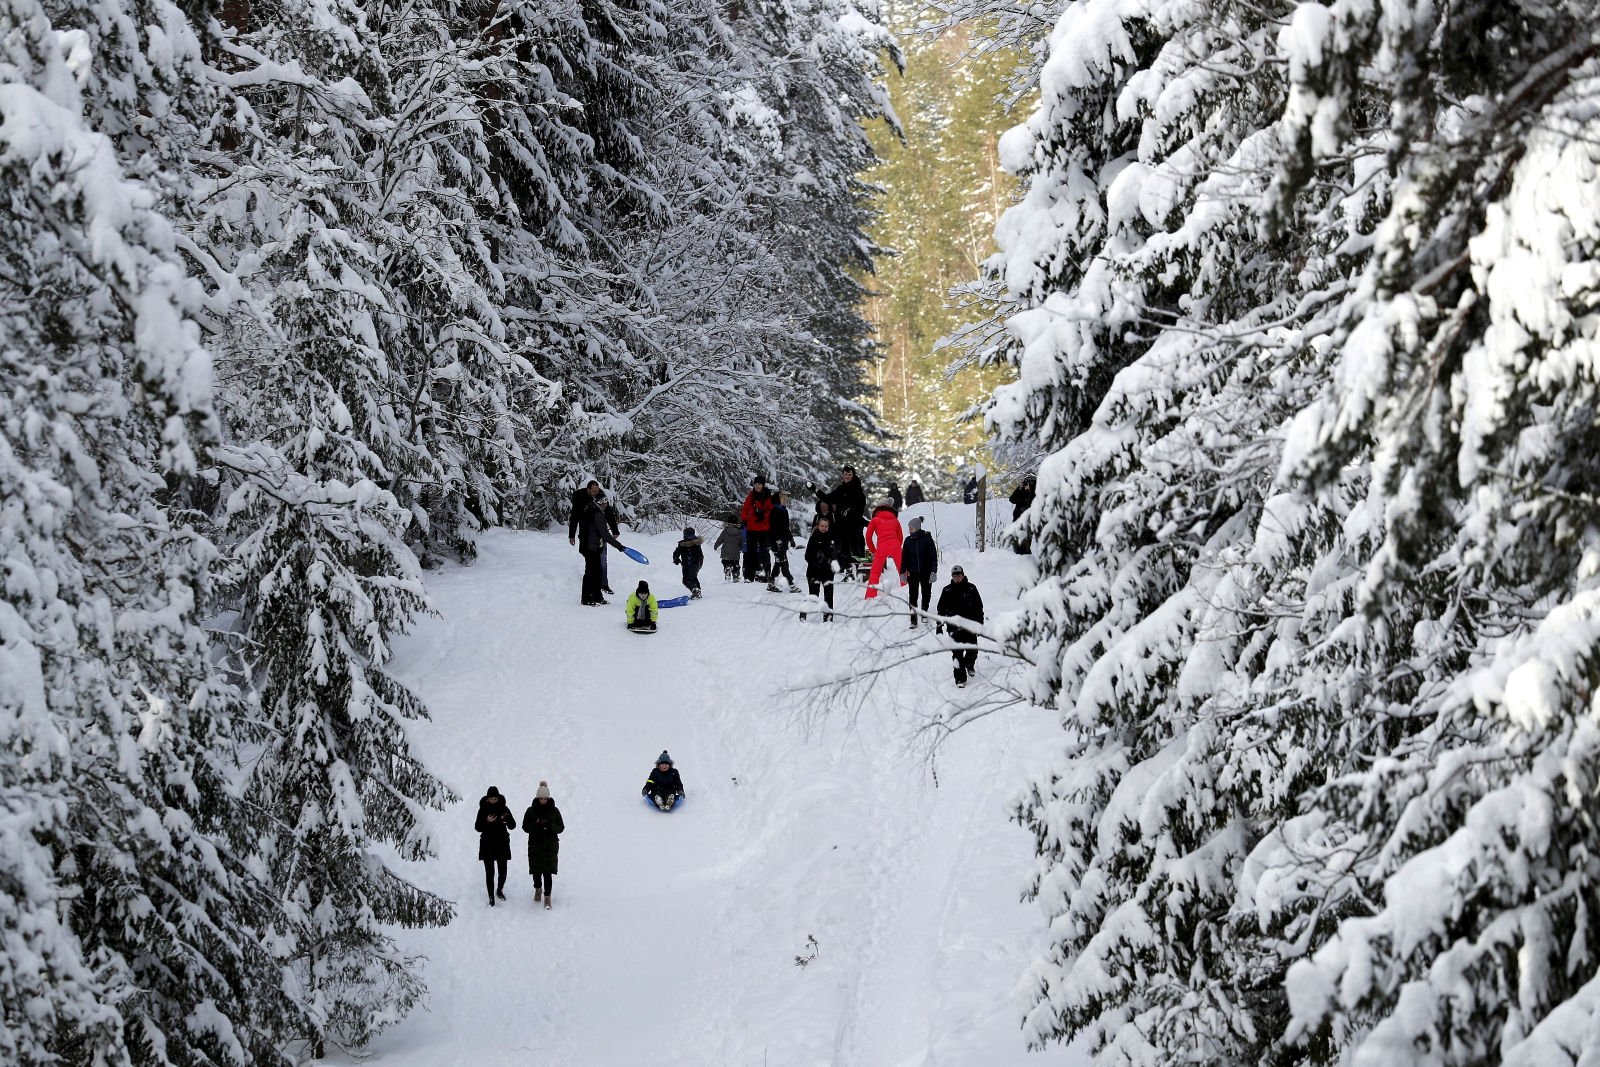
pixel 493 792
pixel 758 480
pixel 544 791
pixel 644 588
pixel 916 522
pixel 957 570
pixel 688 533
pixel 664 758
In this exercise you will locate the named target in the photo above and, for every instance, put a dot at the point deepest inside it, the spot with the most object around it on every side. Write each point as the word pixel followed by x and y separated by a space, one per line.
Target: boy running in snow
pixel 689 556
pixel 884 539
pixel 643 609
pixel 727 544
pixel 960 599
pixel 664 786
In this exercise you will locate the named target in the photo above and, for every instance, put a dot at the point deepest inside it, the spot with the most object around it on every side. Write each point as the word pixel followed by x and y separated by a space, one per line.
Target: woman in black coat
pixel 1021 501
pixel 494 826
pixel 543 824
pixel 824 560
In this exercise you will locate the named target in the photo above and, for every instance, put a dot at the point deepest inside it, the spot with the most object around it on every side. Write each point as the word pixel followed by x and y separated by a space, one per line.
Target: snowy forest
pixel 1292 309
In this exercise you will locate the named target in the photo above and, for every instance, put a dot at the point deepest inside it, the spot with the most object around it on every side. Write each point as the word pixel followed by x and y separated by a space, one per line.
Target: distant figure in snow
pixel 913 493
pixel 849 503
pixel 642 609
pixel 594 533
pixel 728 544
pixel 920 557
pixel 756 518
pixel 969 495
pixel 1021 501
pixel 884 540
pixel 823 564
pixel 782 540
pixel 494 826
pixel 543 824
pixel 689 556
pixel 665 785
pixel 582 499
pixel 894 496
pixel 823 513
pixel 960 600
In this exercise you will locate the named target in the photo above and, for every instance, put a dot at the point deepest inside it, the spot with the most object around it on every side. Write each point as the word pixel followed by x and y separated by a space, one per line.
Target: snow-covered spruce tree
pixel 131 926
pixel 1300 299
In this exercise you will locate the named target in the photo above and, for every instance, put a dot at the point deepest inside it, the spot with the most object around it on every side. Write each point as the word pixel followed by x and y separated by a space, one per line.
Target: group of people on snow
pixel 542 823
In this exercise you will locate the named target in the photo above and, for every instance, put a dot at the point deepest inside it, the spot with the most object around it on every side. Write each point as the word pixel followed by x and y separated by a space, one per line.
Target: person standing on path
pixel 913 493
pixel 494 826
pixel 582 499
pixel 543 824
pixel 1021 501
pixel 756 516
pixel 689 555
pixel 782 541
pixel 920 557
pixel 849 503
pixel 894 496
pixel 594 533
pixel 727 546
pixel 960 599
pixel 822 565
pixel 884 539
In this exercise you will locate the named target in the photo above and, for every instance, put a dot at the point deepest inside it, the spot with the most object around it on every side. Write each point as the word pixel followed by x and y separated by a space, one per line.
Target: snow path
pixel 673 938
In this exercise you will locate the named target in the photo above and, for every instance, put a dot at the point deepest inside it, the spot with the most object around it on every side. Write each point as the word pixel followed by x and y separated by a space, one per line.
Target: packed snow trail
pixel 674 937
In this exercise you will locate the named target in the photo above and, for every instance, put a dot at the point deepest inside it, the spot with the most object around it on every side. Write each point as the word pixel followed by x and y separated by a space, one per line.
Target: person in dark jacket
pixel 782 541
pixel 594 533
pixel 581 499
pixel 969 495
pixel 543 824
pixel 849 503
pixel 1021 501
pixel 913 493
pixel 920 557
pixel 665 785
pixel 689 555
pixel 823 564
pixel 756 518
pixel 960 600
pixel 895 498
pixel 823 512
pixel 494 826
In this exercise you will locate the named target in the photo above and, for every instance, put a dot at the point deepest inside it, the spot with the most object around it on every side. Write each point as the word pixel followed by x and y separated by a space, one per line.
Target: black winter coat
pixel 494 838
pixel 823 550
pixel 919 555
pixel 913 494
pixel 849 503
pixel 594 531
pixel 1021 500
pixel 689 554
pixel 960 599
pixel 894 497
pixel 663 783
pixel 543 823
pixel 581 500
pixel 782 535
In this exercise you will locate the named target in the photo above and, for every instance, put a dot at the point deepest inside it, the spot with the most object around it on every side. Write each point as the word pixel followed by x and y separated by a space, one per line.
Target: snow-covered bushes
pixel 1301 299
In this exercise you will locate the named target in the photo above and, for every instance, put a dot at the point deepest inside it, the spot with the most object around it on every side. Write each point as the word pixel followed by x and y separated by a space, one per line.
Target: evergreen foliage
pixel 1300 299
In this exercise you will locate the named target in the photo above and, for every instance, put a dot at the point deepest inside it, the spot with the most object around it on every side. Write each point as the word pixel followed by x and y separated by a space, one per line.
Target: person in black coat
pixel 895 498
pixel 824 561
pixel 960 600
pixel 665 785
pixel 543 824
pixel 969 495
pixel 919 558
pixel 1021 501
pixel 781 537
pixel 581 500
pixel 913 493
pixel 494 826
pixel 691 557
pixel 849 503
pixel 594 533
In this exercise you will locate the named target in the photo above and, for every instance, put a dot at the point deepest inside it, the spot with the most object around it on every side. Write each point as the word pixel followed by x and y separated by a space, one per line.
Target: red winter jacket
pixel 757 513
pixel 884 534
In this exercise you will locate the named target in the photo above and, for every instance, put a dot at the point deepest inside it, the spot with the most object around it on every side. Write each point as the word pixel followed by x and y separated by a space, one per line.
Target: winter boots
pixel 695 594
pixel 538 891
pixel 547 902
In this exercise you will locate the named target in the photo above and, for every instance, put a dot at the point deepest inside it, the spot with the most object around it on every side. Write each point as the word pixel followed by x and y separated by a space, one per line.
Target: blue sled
pixel 652 805
pixel 635 555
pixel 675 602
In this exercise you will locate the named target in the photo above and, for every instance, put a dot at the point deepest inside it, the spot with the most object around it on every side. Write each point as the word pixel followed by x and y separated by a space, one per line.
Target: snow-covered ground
pixel 674 936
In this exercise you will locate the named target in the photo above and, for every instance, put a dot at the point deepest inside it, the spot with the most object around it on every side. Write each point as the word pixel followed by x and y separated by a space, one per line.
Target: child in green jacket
pixel 642 609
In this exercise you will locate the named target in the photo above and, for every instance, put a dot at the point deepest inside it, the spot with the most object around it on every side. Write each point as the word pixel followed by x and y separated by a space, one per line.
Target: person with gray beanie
pixel 543 824
pixel 921 560
pixel 664 786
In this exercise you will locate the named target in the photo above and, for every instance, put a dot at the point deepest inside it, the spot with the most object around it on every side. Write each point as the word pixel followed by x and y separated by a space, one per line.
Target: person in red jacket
pixel 756 518
pixel 884 538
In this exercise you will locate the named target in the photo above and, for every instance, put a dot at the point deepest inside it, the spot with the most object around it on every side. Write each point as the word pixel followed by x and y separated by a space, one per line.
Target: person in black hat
pixel 690 556
pixel 494 826
pixel 1021 500
pixel 756 517
pixel 849 503
pixel 664 786
pixel 960 600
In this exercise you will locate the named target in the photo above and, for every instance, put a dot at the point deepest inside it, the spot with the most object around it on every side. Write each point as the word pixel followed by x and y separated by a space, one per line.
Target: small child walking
pixel 729 543
pixel 691 558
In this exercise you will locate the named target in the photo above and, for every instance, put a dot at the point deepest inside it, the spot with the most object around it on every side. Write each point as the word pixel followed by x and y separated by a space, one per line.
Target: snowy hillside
pixel 674 937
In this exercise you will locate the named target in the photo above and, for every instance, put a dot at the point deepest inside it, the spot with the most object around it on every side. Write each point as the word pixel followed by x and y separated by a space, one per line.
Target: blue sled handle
pixel 635 555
